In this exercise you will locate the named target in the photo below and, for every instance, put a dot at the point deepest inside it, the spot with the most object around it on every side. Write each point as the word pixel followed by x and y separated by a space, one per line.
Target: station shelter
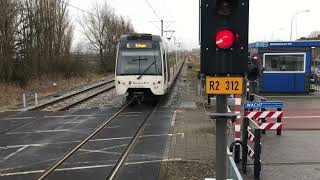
pixel 287 65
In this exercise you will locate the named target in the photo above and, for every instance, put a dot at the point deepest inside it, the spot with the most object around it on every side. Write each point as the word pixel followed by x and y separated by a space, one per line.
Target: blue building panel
pixel 283 83
pixel 308 62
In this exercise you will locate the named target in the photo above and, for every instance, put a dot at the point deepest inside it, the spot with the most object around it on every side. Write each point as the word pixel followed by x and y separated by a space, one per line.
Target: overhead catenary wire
pixel 75 7
pixel 154 11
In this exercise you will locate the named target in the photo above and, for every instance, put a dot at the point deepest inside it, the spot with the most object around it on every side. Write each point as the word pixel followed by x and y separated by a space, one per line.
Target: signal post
pixel 224 62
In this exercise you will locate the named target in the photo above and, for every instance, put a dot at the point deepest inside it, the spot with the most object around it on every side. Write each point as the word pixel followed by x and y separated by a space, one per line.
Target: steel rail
pixel 58 109
pixel 124 155
pixel 60 99
pixel 84 99
pixel 64 158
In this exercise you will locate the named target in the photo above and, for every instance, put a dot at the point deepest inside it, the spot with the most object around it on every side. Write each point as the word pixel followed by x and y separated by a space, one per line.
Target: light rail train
pixel 146 65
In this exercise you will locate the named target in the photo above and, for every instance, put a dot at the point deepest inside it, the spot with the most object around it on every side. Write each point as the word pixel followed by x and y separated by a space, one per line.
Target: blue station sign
pixel 285 44
pixel 265 104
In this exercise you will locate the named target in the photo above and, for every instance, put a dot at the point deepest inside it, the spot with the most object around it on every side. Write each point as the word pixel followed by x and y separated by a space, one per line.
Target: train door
pixel 168 65
pixel 164 64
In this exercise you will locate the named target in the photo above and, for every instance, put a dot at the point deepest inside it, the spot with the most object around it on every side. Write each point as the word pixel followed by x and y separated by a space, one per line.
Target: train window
pixel 139 61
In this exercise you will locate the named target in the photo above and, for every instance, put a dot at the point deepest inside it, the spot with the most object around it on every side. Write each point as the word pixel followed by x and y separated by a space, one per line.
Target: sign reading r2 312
pixel 224 85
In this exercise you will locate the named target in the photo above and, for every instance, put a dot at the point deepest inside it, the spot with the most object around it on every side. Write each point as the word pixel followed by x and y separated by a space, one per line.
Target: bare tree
pixel 8 18
pixel 102 28
pixel 45 35
pixel 36 37
pixel 314 34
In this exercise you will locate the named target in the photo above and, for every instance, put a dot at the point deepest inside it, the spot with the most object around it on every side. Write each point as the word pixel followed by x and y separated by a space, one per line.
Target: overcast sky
pixel 269 19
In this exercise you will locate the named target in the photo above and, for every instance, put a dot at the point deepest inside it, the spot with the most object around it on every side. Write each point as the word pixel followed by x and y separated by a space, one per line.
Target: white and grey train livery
pixel 146 65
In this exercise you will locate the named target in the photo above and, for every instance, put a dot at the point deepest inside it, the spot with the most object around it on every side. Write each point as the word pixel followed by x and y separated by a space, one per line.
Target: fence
pixel 233 172
pixel 251 133
pixel 315 84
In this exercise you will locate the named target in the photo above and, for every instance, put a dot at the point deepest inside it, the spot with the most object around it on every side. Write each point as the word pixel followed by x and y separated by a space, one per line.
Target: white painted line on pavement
pixel 28 165
pixel 43 131
pixel 71 120
pixel 173 120
pixel 18 118
pixel 84 167
pixel 102 150
pixel 92 115
pixel 56 130
pixel 62 169
pixel 14 153
pixel 159 135
pixel 118 153
pixel 110 139
pixel 153 161
pixel 129 115
pixel 21 173
pixel 138 112
pixel 65 142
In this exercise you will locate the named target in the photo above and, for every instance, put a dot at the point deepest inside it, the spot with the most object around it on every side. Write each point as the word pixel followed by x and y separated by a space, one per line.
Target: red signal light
pixel 225 39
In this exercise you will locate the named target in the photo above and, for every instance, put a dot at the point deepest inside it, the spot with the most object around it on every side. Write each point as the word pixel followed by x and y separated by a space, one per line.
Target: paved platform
pixel 295 156
pixel 193 147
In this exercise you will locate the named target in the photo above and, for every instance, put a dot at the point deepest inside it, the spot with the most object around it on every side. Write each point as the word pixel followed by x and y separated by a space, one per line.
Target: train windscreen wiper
pixel 147 69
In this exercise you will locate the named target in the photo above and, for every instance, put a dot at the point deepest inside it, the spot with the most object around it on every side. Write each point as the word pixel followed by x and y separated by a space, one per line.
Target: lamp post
pixel 294 16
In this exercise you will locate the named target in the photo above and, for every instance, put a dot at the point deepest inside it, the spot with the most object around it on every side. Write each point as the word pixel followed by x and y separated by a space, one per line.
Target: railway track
pixel 69 100
pixel 117 166
pixel 66 101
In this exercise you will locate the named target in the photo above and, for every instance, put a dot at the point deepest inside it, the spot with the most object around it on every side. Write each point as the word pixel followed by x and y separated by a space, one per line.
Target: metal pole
pixel 257 152
pixel 24 100
pixel 199 83
pixel 291 27
pixel 36 98
pixel 279 121
pixel 162 27
pixel 263 120
pixel 221 138
pixel 293 19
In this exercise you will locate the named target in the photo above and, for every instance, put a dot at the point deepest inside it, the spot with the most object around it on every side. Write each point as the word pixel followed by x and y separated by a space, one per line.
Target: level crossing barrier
pixel 264 112
pixel 251 145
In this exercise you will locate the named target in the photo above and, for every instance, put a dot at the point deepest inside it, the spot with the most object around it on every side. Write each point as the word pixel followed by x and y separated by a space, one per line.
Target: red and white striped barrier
pixel 263 114
pixel 270 126
pixel 250 153
pixel 251 136
pixel 237 125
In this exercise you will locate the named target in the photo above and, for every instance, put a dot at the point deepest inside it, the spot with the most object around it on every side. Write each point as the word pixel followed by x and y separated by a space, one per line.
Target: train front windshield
pixel 136 58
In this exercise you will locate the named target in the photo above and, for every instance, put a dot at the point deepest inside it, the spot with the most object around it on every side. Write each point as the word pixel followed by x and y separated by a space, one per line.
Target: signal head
pixel 225 39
